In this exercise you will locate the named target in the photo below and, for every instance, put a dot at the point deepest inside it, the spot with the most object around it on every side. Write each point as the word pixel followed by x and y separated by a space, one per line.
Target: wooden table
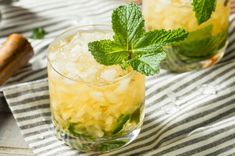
pixel 11 140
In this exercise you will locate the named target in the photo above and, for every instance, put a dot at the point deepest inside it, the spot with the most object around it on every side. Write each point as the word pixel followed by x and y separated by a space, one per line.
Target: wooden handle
pixel 14 53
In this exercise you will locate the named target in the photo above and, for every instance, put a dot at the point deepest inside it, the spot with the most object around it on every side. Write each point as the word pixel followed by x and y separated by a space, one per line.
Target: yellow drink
pixel 94 107
pixel 205 44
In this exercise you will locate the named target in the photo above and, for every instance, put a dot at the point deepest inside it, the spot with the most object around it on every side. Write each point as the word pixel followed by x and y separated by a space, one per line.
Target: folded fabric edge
pixel 5 89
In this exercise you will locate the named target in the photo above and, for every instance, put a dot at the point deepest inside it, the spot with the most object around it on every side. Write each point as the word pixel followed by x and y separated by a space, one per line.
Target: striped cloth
pixel 186 114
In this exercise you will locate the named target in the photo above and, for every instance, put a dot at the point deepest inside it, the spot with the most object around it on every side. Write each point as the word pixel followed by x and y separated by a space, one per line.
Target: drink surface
pixel 205 43
pixel 71 58
pixel 90 100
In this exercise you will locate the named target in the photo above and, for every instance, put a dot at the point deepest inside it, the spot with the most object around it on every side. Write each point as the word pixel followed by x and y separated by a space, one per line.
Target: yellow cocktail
pixel 94 107
pixel 206 42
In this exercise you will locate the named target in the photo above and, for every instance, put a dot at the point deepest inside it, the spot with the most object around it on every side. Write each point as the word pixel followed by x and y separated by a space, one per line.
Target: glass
pixel 205 44
pixel 96 110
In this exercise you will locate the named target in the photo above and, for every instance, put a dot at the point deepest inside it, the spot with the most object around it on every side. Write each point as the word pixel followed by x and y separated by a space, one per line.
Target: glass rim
pixel 79 79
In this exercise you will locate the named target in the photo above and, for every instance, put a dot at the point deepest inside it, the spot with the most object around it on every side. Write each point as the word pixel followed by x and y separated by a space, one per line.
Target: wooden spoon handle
pixel 15 52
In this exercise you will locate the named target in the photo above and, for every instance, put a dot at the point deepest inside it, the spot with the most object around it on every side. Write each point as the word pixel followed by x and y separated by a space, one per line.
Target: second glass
pixel 205 44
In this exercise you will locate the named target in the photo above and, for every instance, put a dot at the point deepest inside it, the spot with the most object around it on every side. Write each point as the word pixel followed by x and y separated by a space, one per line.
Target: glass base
pixel 179 63
pixel 100 145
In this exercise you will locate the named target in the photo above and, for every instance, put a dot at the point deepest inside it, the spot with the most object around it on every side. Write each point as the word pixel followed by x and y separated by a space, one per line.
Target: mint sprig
pixel 127 24
pixel 203 9
pixel 132 45
pixel 148 64
pixel 38 33
pixel 108 52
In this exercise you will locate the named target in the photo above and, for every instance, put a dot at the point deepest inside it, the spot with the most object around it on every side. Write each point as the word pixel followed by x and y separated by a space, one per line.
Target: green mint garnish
pixel 201 44
pixel 110 145
pixel 38 33
pixel 203 9
pixel 132 45
pixel 121 121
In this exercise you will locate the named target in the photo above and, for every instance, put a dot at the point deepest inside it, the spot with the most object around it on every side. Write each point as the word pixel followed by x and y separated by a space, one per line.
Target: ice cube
pixel 71 69
pixel 52 56
pixel 95 130
pixel 53 74
pixel 97 96
pixel 76 39
pixel 109 120
pixel 123 85
pixel 66 115
pixel 165 2
pixel 58 66
pixel 69 81
pixel 97 115
pixel 76 117
pixel 75 53
pixel 89 74
pixel 111 97
pixel 168 24
pixel 109 75
pixel 186 1
pixel 84 48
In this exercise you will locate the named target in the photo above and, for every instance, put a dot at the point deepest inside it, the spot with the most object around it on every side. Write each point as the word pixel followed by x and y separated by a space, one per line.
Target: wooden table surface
pixel 11 140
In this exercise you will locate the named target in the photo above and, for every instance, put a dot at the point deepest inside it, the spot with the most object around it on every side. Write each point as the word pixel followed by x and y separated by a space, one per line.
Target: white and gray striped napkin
pixel 186 114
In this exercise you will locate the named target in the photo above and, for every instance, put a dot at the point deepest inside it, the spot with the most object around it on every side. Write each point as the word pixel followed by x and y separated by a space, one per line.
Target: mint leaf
pixel 38 33
pixel 201 43
pixel 135 117
pixel 162 36
pixel 82 133
pixel 127 24
pixel 153 41
pixel 121 121
pixel 110 145
pixel 131 45
pixel 148 65
pixel 107 52
pixel 199 34
pixel 203 9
